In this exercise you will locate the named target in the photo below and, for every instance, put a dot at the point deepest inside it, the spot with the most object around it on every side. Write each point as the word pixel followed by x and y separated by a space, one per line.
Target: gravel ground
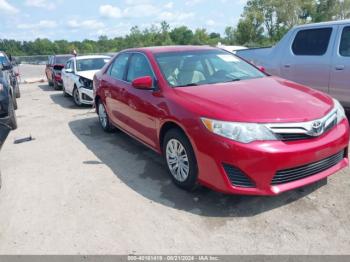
pixel 77 190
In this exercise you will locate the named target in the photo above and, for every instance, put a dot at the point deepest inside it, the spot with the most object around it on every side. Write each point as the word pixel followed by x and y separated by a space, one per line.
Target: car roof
pixel 91 57
pixel 165 49
pixel 330 23
pixel 62 55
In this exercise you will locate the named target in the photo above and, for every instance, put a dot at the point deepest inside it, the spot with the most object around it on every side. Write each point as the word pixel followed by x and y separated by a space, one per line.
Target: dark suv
pixel 53 69
pixel 7 107
pixel 11 76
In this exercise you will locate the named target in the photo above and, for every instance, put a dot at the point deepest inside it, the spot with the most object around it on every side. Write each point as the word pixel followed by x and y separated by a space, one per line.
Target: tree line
pixel 262 23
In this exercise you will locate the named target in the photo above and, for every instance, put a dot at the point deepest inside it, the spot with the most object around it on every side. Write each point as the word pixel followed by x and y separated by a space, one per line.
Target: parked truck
pixel 316 55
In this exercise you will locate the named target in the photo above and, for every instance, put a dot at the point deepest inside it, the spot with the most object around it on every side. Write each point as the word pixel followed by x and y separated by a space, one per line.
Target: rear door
pixel 340 71
pixel 308 57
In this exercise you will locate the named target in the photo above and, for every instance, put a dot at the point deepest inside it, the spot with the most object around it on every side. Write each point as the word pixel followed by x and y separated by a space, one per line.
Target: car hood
pixel 263 100
pixel 87 74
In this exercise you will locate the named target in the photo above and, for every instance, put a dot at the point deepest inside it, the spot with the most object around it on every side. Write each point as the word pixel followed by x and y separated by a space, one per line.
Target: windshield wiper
pixel 190 84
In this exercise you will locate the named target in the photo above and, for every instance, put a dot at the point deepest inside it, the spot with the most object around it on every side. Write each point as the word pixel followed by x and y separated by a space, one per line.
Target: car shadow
pixel 144 172
pixel 46 88
pixel 66 101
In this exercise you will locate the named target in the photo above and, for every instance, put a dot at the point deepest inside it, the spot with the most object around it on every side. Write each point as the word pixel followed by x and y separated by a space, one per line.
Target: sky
pixel 78 20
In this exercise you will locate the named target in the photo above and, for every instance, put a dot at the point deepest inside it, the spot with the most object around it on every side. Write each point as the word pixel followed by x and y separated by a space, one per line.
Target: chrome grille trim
pixel 304 130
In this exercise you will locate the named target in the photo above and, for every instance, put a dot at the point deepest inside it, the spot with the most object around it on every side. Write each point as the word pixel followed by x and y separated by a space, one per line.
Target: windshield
pixel 204 67
pixel 61 60
pixel 91 64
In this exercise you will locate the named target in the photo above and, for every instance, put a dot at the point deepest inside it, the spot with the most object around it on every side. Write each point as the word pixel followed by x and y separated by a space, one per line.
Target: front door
pixel 142 109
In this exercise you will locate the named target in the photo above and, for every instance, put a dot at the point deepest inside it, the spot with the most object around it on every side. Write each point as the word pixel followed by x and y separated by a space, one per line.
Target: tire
pixel 55 85
pixel 48 80
pixel 76 97
pixel 103 118
pixel 18 91
pixel 64 91
pixel 12 117
pixel 185 177
pixel 16 88
pixel 15 105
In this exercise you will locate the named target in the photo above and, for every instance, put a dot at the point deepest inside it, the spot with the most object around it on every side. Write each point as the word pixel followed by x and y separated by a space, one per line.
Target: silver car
pixel 316 55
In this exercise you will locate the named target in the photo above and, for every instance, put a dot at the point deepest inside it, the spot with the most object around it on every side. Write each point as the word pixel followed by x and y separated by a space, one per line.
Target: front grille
pixel 237 177
pixel 294 137
pixel 331 125
pixel 293 174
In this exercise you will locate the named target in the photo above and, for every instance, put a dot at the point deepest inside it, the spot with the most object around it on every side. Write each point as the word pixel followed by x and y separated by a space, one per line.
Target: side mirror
pixel 144 82
pixel 69 70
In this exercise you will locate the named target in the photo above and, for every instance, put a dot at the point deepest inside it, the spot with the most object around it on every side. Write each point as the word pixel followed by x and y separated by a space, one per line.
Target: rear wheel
pixel 104 118
pixel 55 85
pixel 12 117
pixel 17 91
pixel 64 91
pixel 49 81
pixel 180 159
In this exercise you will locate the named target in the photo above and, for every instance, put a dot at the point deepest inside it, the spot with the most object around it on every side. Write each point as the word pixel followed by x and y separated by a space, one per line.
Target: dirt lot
pixel 77 190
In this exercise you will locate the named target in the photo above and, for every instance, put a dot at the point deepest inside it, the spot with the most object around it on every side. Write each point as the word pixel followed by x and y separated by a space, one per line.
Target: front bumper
pixel 261 160
pixel 86 96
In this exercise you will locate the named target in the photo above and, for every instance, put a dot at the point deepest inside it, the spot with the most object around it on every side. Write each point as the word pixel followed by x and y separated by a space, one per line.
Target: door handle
pixel 287 65
pixel 339 67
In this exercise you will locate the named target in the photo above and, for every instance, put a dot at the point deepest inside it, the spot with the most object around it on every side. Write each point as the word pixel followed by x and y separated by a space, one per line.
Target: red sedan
pixel 220 122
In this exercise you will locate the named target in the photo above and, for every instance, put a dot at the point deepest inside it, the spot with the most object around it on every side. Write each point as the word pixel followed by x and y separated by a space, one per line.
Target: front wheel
pixel 76 97
pixel 180 159
pixel 104 118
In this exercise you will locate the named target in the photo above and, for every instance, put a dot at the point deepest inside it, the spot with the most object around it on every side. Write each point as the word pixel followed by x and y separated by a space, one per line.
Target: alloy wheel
pixel 102 115
pixel 76 97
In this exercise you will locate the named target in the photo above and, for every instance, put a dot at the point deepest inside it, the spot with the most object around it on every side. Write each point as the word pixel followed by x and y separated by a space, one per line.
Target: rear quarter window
pixel 312 42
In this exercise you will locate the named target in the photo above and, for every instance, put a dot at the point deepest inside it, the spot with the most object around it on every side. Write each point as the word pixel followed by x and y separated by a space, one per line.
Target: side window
pixel 71 66
pixel 117 69
pixel 67 65
pixel 138 67
pixel 312 42
pixel 344 49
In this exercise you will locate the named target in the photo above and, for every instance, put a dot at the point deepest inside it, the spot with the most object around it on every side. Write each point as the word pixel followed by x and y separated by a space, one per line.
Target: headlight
pixel 86 83
pixel 240 132
pixel 340 111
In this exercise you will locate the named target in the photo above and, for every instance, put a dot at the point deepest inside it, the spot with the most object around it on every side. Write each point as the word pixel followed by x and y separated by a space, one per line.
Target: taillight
pixel 58 77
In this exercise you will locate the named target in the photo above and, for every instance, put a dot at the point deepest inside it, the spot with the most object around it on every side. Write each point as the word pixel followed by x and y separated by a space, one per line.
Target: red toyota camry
pixel 220 122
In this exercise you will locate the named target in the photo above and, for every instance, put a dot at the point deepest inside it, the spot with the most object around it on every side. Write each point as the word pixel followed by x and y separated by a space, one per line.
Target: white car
pixel 77 77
